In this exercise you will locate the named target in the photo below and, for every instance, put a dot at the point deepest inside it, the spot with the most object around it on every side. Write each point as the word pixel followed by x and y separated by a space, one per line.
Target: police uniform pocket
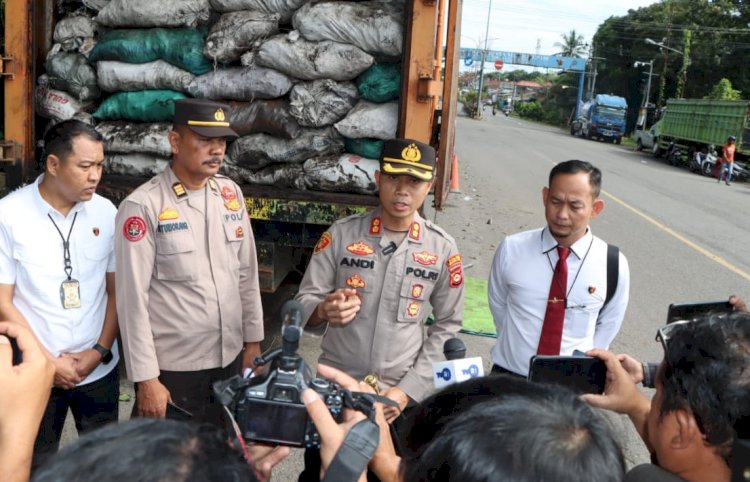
pixel 174 254
pixel 413 300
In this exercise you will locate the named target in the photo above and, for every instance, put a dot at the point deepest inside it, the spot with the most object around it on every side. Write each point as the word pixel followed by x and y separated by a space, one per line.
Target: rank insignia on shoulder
pixel 168 214
pixel 134 228
pixel 376 225
pixel 415 232
pixel 360 248
pixel 212 184
pixel 323 242
pixel 179 190
pixel 355 281
pixel 425 258
pixel 239 233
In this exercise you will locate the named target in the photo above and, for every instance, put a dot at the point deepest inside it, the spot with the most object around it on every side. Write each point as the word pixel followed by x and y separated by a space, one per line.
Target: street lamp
pixel 481 67
pixel 662 46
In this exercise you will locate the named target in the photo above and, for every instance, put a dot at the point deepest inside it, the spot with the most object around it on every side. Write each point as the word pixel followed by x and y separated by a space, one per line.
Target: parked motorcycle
pixel 674 154
pixel 703 161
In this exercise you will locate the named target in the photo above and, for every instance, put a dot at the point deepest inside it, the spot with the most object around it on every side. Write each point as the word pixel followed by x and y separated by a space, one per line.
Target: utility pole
pixel 481 67
pixel 682 74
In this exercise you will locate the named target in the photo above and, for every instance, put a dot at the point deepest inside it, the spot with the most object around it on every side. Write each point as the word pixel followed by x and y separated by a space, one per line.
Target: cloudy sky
pixel 516 25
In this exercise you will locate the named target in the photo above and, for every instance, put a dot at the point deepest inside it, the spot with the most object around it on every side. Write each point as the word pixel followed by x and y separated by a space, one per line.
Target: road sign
pixel 468 60
pixel 499 64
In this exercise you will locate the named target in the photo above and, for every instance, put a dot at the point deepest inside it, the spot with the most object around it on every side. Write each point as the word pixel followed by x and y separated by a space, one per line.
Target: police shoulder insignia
pixel 179 190
pixel 456 270
pixel 169 213
pixel 415 232
pixel 376 225
pixel 323 242
pixel 134 228
pixel 360 248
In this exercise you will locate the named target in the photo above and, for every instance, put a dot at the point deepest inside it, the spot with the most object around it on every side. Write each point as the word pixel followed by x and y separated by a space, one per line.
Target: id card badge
pixel 70 294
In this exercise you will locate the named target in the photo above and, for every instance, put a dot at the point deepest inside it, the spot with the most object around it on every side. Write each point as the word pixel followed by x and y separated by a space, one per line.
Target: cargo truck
pixel 603 117
pixel 286 222
pixel 690 125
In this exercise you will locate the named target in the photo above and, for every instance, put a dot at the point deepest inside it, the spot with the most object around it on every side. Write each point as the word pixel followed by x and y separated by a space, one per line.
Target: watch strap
pixel 106 353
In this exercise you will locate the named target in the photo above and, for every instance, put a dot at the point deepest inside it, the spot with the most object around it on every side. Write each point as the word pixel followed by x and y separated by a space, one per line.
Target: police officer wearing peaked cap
pixel 187 273
pixel 374 279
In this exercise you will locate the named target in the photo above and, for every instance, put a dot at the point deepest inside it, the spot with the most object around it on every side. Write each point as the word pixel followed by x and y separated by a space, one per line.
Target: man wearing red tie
pixel 559 288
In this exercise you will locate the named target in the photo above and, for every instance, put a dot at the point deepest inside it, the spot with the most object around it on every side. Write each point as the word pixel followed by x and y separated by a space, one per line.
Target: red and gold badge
pixel 96 231
pixel 415 232
pixel 425 258
pixel 454 262
pixel 592 289
pixel 360 248
pixel 416 291
pixel 233 205
pixel 323 242
pixel 228 193
pixel 134 228
pixel 457 279
pixel 375 225
pixel 412 309
pixel 355 281
pixel 239 233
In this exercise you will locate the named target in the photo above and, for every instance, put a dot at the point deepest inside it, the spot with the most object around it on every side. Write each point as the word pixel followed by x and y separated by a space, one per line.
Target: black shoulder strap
pixel 613 272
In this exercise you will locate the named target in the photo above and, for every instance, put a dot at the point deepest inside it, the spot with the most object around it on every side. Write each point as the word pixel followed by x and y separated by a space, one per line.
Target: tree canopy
pixel 573 45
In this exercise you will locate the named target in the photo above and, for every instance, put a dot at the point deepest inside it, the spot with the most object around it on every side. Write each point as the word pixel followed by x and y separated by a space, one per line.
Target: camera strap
pixel 355 453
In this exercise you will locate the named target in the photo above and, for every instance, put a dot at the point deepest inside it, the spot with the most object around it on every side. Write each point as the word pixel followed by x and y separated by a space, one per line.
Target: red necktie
pixel 549 342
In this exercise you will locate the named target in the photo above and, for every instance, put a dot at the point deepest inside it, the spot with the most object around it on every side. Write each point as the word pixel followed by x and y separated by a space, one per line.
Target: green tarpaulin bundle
pixel 369 148
pixel 140 106
pixel 182 47
pixel 380 83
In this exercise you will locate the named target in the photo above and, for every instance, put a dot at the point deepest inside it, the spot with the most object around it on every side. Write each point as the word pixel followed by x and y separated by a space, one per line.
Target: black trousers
pixel 505 371
pixel 192 391
pixel 93 405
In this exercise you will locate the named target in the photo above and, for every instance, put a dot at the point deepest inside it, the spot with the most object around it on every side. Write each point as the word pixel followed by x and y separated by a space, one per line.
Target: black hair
pixel 528 437
pixel 58 140
pixel 707 371
pixel 149 450
pixel 575 166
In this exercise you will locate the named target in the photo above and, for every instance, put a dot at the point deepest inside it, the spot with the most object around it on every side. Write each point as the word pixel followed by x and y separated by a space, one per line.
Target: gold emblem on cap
pixel 411 153
pixel 219 115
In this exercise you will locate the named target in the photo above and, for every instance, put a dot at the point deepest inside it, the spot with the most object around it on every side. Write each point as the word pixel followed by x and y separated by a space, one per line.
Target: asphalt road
pixel 683 234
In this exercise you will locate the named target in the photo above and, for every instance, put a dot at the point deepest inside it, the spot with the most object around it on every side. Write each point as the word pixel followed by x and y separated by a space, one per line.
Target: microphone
pixel 456 368
pixel 291 313
pixel 291 327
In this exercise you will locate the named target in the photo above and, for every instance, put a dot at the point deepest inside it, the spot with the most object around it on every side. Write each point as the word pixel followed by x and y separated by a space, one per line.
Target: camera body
pixel 270 408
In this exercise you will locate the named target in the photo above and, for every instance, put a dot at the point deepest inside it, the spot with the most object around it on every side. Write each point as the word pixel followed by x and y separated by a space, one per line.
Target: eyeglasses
pixel 667 331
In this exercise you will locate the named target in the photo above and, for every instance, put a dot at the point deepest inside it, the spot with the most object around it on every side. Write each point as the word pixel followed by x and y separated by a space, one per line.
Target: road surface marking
pixel 680 237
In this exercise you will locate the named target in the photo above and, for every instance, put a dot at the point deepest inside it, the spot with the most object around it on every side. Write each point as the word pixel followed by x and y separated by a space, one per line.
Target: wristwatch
pixel 106 353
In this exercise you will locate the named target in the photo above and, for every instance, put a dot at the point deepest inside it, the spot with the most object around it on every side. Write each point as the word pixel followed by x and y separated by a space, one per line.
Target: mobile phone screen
pixel 690 311
pixel 582 374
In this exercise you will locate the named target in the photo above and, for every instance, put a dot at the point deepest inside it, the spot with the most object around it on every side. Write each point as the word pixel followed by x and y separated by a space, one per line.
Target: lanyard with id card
pixel 70 289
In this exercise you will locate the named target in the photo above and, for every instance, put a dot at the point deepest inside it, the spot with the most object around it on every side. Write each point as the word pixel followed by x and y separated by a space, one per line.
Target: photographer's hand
pixel 398 396
pixel 632 366
pixel 252 350
pixel 737 303
pixel 338 308
pixel 24 391
pixel 152 398
pixel 265 457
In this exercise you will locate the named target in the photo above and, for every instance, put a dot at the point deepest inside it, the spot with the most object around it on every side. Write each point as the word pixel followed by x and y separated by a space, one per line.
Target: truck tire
pixel 638 145
pixel 617 140
pixel 656 150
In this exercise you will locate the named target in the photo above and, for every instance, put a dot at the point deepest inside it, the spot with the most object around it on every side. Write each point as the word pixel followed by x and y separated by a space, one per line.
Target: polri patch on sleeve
pixel 456 270
pixel 323 242
pixel 134 228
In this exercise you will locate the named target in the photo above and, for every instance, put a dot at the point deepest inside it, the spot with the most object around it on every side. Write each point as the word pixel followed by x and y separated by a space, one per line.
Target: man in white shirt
pixel 522 288
pixel 57 278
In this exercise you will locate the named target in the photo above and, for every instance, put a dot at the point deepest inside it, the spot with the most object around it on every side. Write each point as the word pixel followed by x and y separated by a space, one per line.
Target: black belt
pixel 498 369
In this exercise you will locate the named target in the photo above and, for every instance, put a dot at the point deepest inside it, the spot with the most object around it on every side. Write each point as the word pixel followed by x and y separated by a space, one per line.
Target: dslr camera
pixel 268 407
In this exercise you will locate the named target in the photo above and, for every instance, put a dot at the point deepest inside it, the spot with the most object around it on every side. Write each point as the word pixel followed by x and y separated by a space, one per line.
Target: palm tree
pixel 572 45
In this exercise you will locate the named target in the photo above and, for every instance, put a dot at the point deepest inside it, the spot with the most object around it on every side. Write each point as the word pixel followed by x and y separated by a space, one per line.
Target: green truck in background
pixel 690 125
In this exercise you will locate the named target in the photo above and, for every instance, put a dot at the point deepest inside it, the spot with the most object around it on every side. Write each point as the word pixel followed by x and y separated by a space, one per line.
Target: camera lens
pixel 320 384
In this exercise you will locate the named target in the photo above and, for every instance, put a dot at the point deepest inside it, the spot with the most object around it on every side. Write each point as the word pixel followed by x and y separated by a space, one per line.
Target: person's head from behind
pixel 571 200
pixel 73 158
pixel 149 450
pixel 546 434
pixel 702 400
pixel 731 140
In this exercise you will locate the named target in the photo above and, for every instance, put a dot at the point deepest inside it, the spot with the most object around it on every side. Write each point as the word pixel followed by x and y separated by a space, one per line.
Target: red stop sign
pixel 499 64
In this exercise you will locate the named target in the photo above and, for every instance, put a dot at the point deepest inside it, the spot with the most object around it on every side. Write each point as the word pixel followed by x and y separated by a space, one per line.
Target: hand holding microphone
pixel 456 368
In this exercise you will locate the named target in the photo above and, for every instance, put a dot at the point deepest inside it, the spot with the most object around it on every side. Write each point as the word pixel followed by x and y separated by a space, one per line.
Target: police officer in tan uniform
pixel 187 274
pixel 374 279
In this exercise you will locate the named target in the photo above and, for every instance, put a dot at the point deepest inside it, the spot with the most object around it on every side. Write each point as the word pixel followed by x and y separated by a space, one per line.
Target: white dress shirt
pixel 519 286
pixel 31 258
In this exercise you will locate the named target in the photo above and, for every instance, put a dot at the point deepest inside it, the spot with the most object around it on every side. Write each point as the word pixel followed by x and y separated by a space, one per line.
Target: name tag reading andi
pixel 70 294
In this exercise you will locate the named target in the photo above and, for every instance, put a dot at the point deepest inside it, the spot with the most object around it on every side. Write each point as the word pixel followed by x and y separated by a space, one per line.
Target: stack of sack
pixel 313 85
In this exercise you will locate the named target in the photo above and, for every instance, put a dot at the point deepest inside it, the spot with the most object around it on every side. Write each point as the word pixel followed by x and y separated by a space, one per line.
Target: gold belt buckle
pixel 372 381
